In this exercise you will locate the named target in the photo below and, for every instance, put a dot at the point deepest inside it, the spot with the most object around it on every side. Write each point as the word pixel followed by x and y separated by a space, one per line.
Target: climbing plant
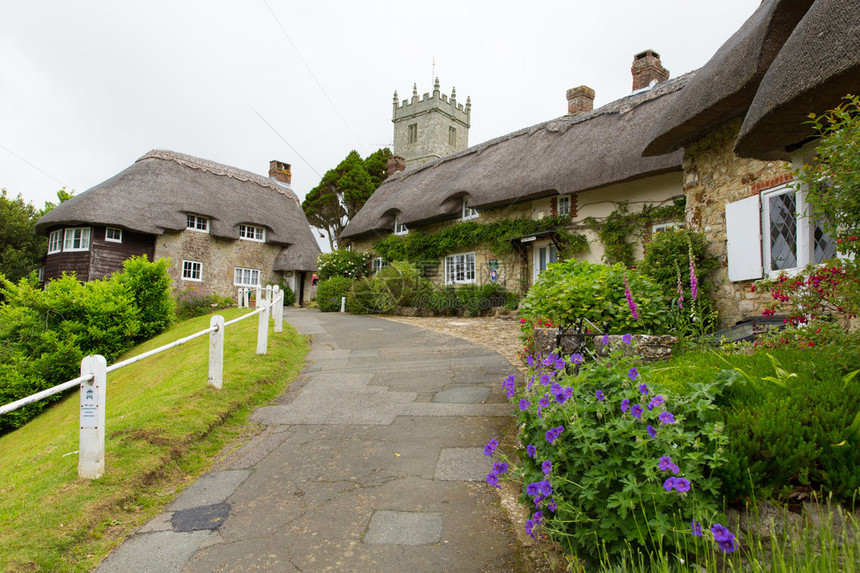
pixel 619 231
pixel 419 247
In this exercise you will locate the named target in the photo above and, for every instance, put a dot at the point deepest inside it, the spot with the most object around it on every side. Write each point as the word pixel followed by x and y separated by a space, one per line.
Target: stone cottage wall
pixel 713 177
pixel 219 257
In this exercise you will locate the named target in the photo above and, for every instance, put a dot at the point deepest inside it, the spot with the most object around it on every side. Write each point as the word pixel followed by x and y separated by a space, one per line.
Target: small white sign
pixel 89 406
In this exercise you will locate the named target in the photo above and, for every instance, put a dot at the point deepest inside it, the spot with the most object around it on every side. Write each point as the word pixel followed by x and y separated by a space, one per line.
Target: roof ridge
pixel 216 168
pixel 615 106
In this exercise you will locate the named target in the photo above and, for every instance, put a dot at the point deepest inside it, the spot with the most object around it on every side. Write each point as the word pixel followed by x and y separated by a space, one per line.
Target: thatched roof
pixel 724 87
pixel 561 156
pixel 155 193
pixel 818 65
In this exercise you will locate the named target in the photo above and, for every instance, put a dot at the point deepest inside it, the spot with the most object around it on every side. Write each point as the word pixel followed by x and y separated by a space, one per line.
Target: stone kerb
pixel 648 347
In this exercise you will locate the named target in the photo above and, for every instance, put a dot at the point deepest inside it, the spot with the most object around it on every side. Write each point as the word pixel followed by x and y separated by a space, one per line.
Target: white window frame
pixel 563 200
pixel 551 257
pixel 110 239
pixel 748 235
pixel 244 277
pixel 41 274
pixel 190 268
pixel 661 227
pixel 468 212
pixel 252 233
pixel 55 241
pixel 460 269
pixel 399 228
pixel 377 265
pixel 70 235
pixel 197 223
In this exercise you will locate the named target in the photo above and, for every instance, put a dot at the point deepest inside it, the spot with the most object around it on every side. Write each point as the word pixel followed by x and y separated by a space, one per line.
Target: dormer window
pixel 252 233
pixel 468 212
pixel 399 228
pixel 197 223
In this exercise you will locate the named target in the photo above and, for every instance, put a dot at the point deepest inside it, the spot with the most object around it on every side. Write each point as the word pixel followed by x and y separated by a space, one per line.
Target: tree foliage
pixel 833 180
pixel 344 190
pixel 20 247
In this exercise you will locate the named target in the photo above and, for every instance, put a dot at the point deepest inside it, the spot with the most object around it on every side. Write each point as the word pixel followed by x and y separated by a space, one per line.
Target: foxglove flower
pixel 630 303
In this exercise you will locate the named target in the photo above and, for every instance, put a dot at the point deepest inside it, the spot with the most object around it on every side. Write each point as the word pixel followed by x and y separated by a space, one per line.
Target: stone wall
pixel 218 256
pixel 713 177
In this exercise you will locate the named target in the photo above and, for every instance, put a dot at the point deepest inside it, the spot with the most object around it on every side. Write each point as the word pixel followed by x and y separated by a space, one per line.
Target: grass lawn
pixel 164 428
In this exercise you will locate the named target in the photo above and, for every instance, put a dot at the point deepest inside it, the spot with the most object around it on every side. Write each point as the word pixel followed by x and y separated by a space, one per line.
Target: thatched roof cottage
pixel 742 114
pixel 580 165
pixel 221 227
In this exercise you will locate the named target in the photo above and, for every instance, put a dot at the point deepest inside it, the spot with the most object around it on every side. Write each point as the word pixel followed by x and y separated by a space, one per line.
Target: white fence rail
pixel 94 371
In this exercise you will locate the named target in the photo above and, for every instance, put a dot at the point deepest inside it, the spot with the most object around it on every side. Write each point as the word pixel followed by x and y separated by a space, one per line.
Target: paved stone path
pixel 371 461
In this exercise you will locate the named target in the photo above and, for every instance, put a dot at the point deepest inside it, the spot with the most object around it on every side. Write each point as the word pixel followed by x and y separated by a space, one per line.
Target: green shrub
pixel 330 291
pixel 343 263
pixel 575 289
pixel 193 301
pixel 149 284
pixel 600 485
pixel 399 284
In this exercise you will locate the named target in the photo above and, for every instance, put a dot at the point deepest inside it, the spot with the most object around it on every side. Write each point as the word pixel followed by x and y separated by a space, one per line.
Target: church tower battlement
pixel 431 127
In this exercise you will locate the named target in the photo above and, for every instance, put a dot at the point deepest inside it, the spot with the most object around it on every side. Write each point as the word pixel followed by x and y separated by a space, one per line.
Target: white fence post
pixel 91 448
pixel 259 296
pixel 343 304
pixel 216 352
pixel 278 310
pixel 239 298
pixel 269 293
pixel 263 328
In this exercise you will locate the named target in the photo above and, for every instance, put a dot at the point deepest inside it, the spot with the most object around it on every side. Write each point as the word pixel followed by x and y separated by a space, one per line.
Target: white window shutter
pixel 743 239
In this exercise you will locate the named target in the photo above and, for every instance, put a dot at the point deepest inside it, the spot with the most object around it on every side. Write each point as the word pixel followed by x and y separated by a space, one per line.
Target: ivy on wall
pixel 419 247
pixel 620 230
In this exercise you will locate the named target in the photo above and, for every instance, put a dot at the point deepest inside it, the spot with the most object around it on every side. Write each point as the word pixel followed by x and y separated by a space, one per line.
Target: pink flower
pixel 630 303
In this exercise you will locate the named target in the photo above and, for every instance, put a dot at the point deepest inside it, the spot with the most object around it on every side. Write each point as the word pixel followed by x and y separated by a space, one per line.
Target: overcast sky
pixel 88 87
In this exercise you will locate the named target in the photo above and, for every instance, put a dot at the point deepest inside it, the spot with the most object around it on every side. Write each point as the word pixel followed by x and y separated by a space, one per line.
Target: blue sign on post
pixel 494 275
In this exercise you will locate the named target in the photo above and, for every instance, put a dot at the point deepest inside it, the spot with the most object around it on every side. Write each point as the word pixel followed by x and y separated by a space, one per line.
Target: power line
pixel 287 142
pixel 322 89
pixel 42 171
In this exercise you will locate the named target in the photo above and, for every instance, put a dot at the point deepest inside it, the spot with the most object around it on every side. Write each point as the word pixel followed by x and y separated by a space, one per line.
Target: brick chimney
pixel 280 171
pixel 647 70
pixel 395 164
pixel 580 100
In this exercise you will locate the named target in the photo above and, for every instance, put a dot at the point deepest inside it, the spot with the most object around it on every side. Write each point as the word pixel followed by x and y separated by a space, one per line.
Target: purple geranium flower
pixel 545 488
pixel 552 506
pixel 545 380
pixel 524 405
pixel 682 484
pixel 491 447
pixel 576 358
pixel 636 411
pixel 530 529
pixel 493 479
pixel 627 338
pixel 696 527
pixel 543 402
pixel 546 467
pixel 553 434
pixel 651 431
pixel 531 451
pixel 724 538
pixel 656 401
pixel 605 340
pixel 643 389
pixel 665 464
pixel 633 373
pixel 669 484
pixel 625 405
pixel 500 467
pixel 533 489
pixel 600 396
pixel 666 418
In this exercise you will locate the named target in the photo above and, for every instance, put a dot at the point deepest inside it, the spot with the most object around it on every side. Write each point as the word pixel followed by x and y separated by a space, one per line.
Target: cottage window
pixel 460 269
pixel 77 239
pixel 663 227
pixel 246 277
pixel 564 205
pixel 55 241
pixel 192 271
pixel 412 133
pixel 468 212
pixel 197 223
pixel 377 264
pixel 252 233
pixel 399 228
pixel 779 221
pixel 41 274
pixel 113 235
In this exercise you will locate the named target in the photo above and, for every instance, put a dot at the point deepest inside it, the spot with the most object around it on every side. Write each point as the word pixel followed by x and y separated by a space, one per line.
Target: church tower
pixel 430 128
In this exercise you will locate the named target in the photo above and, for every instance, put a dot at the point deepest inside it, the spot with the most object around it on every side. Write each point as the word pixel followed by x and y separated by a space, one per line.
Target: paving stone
pixel 200 518
pixel 463 464
pixel 404 528
pixel 467 395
